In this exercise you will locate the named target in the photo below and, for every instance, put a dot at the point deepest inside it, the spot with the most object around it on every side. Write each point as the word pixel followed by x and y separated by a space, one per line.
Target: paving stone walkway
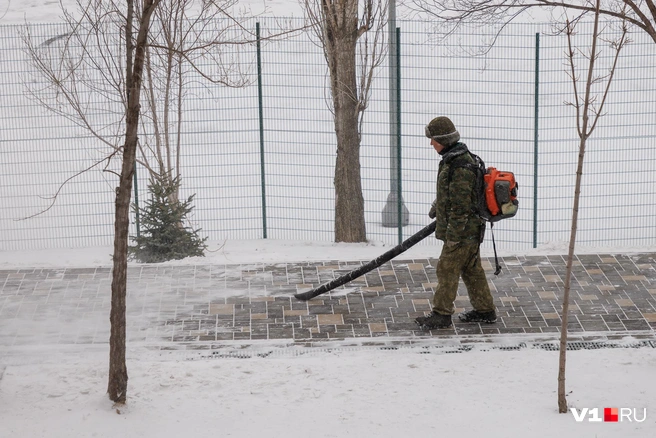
pixel 210 305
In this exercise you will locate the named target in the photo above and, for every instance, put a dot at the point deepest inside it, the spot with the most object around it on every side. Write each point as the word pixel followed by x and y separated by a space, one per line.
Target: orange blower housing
pixel 500 194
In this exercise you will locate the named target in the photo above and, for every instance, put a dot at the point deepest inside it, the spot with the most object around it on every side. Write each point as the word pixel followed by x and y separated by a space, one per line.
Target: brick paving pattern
pixel 214 304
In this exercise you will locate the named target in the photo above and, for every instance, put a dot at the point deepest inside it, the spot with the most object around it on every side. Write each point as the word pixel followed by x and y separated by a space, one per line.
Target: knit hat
pixel 443 131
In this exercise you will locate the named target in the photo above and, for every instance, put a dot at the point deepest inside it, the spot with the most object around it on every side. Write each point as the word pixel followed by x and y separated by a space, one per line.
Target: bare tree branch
pixel 72 177
pixel 81 72
pixel 459 12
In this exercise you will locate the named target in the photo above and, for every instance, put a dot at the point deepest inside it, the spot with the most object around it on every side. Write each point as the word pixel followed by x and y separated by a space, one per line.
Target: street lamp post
pixel 391 212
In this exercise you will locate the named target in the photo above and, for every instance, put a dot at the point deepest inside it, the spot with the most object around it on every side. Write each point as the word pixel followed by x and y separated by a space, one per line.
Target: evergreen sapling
pixel 163 234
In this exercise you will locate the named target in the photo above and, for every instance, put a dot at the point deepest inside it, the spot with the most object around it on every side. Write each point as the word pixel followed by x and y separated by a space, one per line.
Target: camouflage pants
pixel 461 260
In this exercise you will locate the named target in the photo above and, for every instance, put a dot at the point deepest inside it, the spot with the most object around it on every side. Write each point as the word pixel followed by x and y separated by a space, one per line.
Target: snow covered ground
pixel 362 393
pixel 53 391
pixel 60 391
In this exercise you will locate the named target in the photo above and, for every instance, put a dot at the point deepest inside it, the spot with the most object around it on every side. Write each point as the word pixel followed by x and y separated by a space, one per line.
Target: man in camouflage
pixel 461 230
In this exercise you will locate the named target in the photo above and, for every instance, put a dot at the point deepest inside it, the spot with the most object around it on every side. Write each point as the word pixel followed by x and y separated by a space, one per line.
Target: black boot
pixel 433 320
pixel 476 316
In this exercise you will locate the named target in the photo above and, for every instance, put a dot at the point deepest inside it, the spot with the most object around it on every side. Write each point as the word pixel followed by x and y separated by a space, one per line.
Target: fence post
pixel 261 117
pixel 535 140
pixel 401 220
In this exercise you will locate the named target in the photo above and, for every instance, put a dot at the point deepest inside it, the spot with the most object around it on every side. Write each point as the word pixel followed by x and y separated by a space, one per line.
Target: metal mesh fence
pixel 489 94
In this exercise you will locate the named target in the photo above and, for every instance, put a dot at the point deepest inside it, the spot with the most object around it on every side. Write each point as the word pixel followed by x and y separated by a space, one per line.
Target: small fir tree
pixel 163 235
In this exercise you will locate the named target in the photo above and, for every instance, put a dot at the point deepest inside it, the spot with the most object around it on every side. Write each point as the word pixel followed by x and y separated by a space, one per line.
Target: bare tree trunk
pixel 339 27
pixel 340 37
pixel 349 202
pixel 118 374
pixel 585 126
pixel 562 400
pixel 153 110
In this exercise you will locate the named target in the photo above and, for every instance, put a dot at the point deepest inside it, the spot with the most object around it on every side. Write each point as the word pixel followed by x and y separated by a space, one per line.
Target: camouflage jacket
pixel 455 204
